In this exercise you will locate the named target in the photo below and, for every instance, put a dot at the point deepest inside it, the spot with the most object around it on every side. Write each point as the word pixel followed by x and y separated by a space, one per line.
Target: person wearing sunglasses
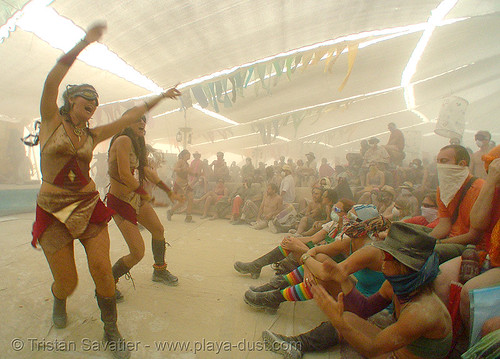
pixel 68 204
pixel 329 202
pixel 429 212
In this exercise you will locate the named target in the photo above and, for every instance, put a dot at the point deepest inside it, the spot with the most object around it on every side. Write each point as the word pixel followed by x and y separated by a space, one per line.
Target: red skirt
pixel 122 208
pixel 43 219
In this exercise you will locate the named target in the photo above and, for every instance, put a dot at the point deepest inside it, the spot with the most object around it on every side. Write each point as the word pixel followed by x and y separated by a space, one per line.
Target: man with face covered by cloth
pixel 456 194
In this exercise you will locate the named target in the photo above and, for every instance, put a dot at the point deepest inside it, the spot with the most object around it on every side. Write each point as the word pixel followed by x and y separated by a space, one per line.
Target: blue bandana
pixel 405 285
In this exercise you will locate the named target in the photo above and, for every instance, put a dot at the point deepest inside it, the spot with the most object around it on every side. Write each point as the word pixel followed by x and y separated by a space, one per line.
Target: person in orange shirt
pixel 485 215
pixel 456 195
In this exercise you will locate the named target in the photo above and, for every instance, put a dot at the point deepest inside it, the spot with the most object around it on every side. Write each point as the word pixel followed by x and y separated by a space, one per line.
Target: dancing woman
pixel 127 166
pixel 68 204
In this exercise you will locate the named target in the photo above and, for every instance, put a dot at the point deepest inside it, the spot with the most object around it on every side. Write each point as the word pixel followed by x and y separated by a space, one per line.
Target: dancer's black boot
pixel 160 272
pixel 119 269
pixel 59 316
pixel 112 336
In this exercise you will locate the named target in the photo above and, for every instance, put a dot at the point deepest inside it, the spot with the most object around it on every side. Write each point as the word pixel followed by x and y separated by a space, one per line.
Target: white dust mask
pixel 450 178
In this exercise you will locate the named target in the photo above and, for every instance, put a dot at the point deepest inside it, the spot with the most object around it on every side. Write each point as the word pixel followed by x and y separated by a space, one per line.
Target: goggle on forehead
pixel 87 94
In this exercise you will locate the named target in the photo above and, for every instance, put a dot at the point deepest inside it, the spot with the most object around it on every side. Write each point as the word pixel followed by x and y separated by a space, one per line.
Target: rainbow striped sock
pixel 297 293
pixel 284 251
pixel 296 276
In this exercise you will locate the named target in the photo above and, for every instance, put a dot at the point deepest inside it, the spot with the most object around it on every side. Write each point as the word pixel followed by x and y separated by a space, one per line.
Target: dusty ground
pixel 205 312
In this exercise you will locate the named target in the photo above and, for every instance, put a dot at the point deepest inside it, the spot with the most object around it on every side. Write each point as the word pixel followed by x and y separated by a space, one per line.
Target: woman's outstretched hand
pixel 172 92
pixel 95 31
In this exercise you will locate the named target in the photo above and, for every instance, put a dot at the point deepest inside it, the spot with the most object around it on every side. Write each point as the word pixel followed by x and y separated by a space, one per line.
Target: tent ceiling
pixel 178 41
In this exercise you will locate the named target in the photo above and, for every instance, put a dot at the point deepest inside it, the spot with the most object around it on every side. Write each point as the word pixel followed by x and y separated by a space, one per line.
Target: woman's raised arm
pixel 48 103
pixel 104 132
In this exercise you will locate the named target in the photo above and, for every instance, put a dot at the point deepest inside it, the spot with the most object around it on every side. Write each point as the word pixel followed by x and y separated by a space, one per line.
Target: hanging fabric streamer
pixel 328 59
pixel 199 95
pixel 262 130
pixel 218 90
pixel 211 86
pixel 276 126
pixel 306 58
pixel 227 101
pixel 288 63
pixel 208 94
pixel 352 52
pixel 331 61
pixel 269 71
pixel 278 67
pixel 233 88
pixel 297 119
pixel 240 80
pixel 249 76
pixel 186 100
pixel 269 130
pixel 298 59
pixel 317 114
pixel 285 121
pixel 318 55
pixel 261 71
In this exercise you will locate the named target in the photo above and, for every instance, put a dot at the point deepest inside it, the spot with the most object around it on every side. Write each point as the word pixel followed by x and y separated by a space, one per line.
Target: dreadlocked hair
pixel 361 229
pixel 70 90
pixel 139 148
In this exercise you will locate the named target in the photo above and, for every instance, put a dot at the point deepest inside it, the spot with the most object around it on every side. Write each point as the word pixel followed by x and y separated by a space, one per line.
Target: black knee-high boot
pixel 276 282
pixel 255 267
pixel 286 265
pixel 320 338
pixel 112 336
pixel 119 269
pixel 59 316
pixel 270 301
pixel 160 272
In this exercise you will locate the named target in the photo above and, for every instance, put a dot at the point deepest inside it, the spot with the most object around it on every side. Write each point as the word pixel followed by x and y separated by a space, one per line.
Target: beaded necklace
pixel 78 131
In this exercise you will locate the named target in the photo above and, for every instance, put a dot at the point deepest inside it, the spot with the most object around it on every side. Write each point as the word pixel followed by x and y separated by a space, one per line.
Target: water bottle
pixel 486 264
pixel 469 268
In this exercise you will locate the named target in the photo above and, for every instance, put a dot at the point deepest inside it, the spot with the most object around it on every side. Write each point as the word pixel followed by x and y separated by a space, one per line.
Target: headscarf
pixel 365 211
pixel 328 183
pixel 374 225
pixel 405 285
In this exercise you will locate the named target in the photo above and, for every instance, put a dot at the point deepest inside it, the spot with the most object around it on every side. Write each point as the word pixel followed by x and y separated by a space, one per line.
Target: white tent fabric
pixel 172 41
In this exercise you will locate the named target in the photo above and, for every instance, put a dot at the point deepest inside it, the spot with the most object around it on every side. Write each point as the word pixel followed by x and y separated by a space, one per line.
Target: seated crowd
pixel 369 237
